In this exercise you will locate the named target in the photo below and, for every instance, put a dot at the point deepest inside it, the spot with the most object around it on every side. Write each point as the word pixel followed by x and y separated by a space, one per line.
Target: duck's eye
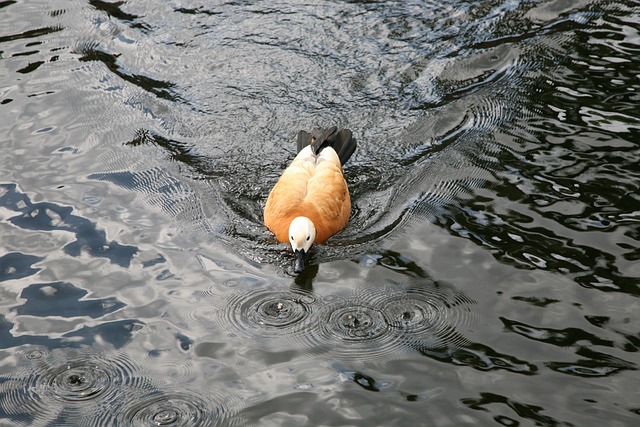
pixel 308 237
pixel 291 237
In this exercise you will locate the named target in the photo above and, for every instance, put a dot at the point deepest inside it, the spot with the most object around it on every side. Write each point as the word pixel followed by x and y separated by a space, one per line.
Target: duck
pixel 310 202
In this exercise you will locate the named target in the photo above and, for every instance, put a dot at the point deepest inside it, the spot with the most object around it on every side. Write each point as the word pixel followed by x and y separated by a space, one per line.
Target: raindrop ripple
pixel 269 317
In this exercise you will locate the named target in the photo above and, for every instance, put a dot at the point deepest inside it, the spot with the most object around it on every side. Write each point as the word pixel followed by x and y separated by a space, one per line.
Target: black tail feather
pixel 304 139
pixel 342 141
pixel 345 145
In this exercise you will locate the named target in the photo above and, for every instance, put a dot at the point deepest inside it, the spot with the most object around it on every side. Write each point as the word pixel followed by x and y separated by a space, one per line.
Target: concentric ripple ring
pixel 349 328
pixel 270 317
pixel 176 410
pixel 78 381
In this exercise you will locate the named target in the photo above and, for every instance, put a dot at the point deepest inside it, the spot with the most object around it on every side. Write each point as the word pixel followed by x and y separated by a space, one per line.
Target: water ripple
pixel 353 330
pixel 56 385
pixel 176 409
pixel 78 381
pixel 267 316
pixel 70 387
pixel 426 316
pixel 373 324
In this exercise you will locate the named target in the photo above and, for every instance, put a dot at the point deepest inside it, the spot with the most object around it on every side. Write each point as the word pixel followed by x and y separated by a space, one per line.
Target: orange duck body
pixel 313 186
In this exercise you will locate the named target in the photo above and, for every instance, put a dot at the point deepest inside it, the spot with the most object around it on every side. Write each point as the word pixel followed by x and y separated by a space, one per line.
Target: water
pixel 489 274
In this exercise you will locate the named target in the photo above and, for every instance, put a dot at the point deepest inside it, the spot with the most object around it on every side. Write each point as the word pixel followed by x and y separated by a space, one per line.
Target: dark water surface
pixel 490 273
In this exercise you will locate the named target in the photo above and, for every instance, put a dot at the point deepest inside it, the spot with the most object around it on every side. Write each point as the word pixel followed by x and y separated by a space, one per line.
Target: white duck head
pixel 302 234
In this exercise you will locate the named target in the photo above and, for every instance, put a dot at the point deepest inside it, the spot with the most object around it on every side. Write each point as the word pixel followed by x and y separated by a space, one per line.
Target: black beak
pixel 299 266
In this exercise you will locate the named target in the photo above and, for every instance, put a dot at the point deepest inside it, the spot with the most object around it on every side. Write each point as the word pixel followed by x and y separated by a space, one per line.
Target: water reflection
pixel 480 357
pixel 117 333
pixel 595 364
pixel 159 88
pixel 488 401
pixel 64 300
pixel 116 11
pixel 491 257
pixel 45 216
pixel 16 265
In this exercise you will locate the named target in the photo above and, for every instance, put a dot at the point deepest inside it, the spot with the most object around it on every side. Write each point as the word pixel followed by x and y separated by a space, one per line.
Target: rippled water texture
pixel 489 274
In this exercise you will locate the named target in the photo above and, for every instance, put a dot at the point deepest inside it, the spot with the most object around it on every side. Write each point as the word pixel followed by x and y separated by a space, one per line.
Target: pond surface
pixel 489 274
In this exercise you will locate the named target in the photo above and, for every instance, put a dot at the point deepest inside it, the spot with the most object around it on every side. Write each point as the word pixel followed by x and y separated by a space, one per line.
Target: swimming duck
pixel 310 202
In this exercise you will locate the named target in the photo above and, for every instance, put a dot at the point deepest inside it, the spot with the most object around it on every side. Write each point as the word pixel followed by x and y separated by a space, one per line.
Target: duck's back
pixel 312 186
